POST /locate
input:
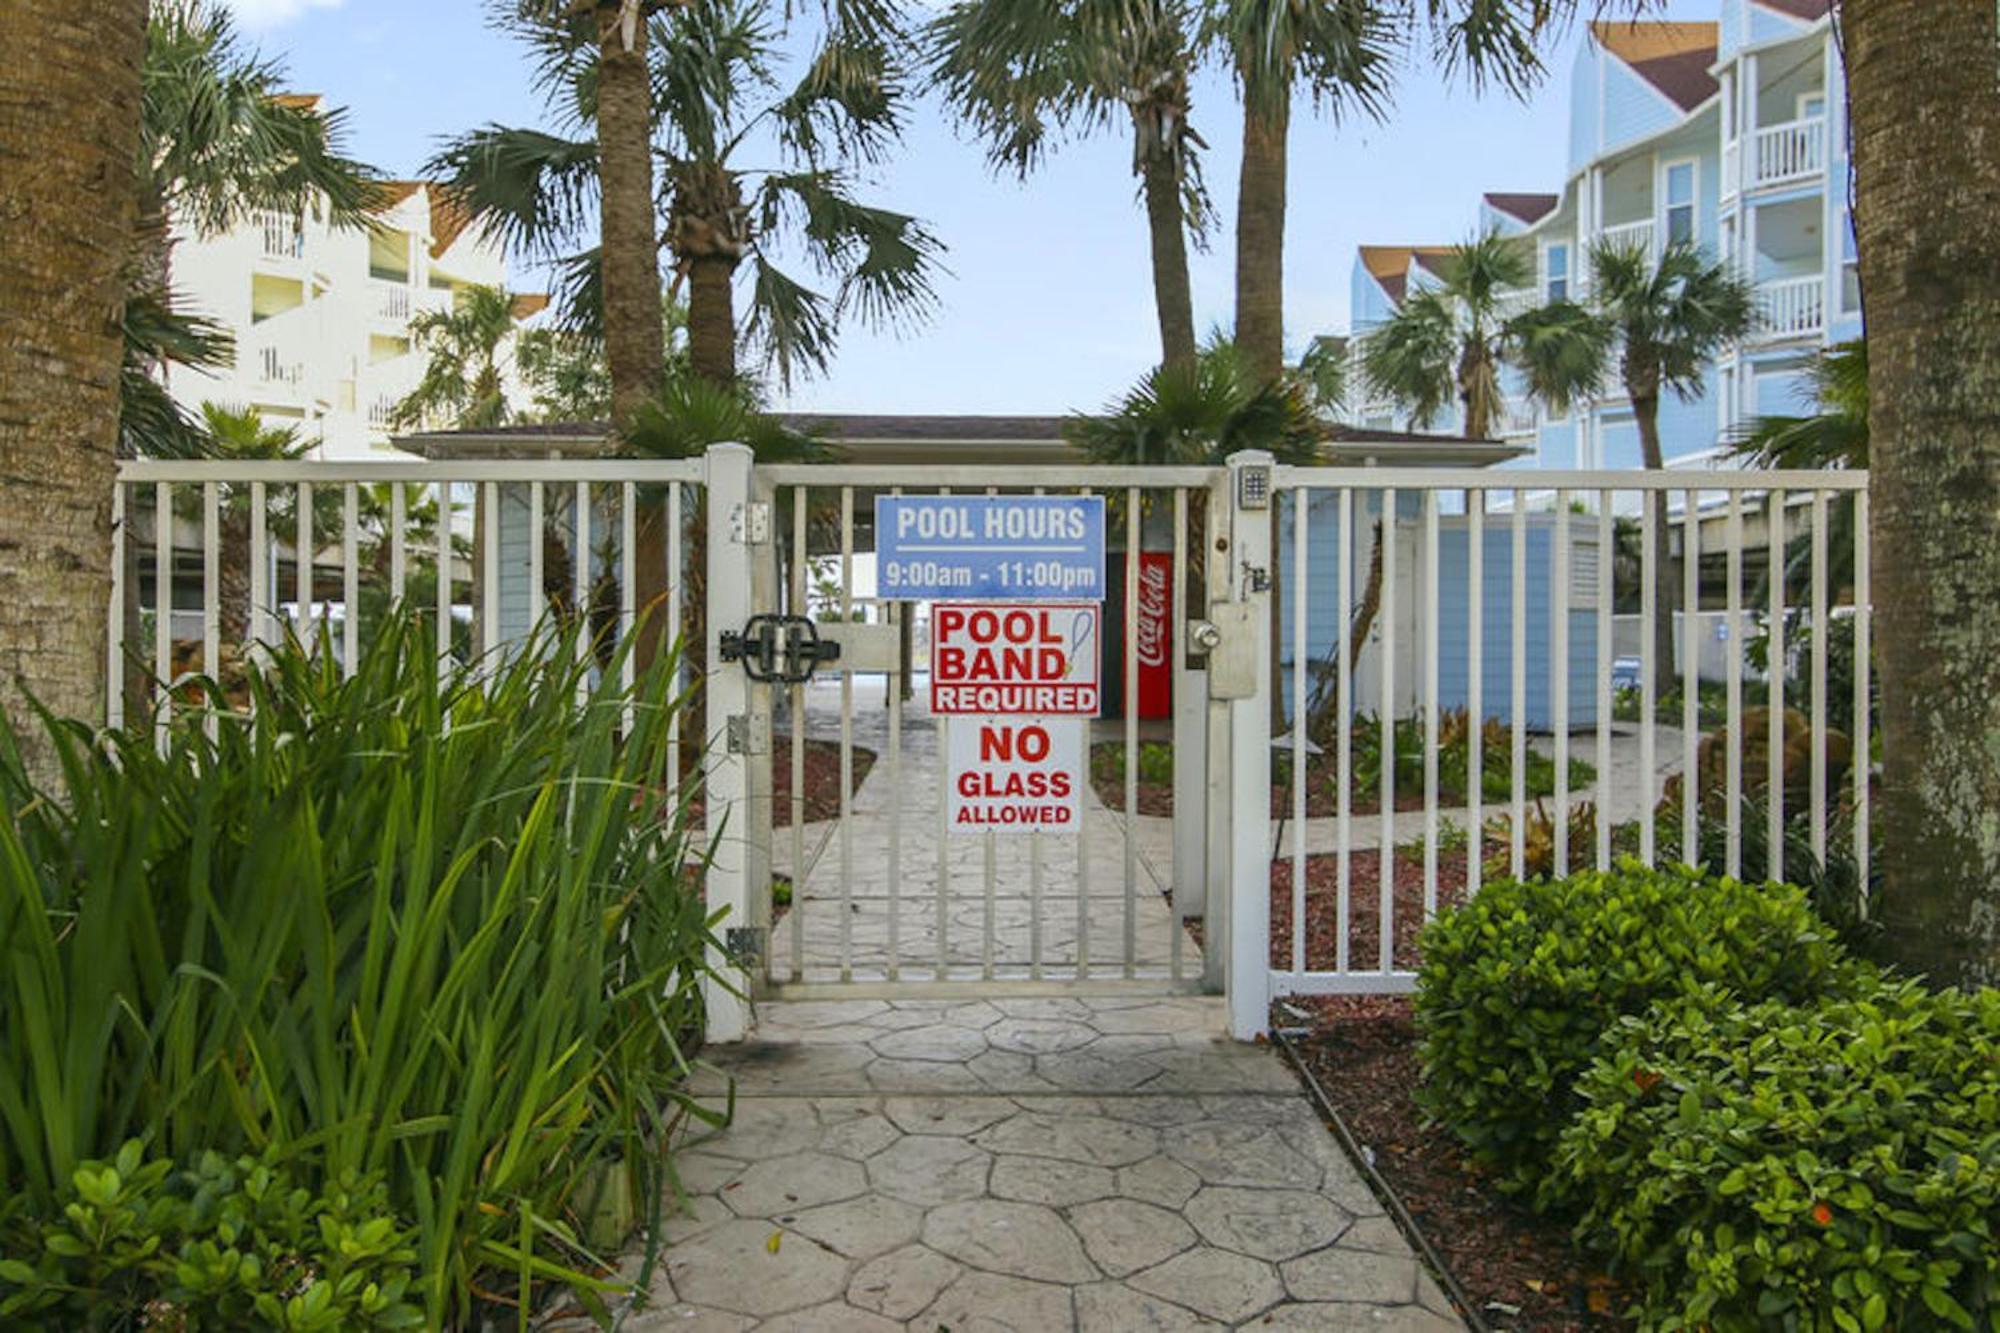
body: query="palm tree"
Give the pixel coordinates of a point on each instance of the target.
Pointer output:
(1015, 69)
(1654, 325)
(461, 383)
(71, 113)
(726, 218)
(241, 435)
(1451, 341)
(1835, 436)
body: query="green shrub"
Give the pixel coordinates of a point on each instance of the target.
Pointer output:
(1518, 987)
(1454, 751)
(441, 934)
(1832, 1166)
(220, 1245)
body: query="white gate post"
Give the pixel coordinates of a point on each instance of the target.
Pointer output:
(1214, 808)
(737, 759)
(1250, 557)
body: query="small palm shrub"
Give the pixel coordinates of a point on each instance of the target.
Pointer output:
(439, 934)
(1519, 985)
(1454, 759)
(1828, 1167)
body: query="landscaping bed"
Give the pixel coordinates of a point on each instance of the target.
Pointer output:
(822, 785)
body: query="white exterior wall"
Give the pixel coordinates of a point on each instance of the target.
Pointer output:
(320, 343)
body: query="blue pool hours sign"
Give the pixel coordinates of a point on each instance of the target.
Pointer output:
(1005, 548)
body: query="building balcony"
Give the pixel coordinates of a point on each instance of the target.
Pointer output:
(281, 239)
(389, 301)
(1629, 236)
(1791, 308)
(1516, 418)
(1788, 153)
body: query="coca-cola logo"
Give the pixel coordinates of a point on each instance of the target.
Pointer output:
(1153, 613)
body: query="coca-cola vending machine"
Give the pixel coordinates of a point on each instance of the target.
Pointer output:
(1154, 632)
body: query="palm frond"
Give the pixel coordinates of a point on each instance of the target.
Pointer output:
(529, 189)
(1834, 437)
(1411, 356)
(1564, 350)
(887, 261)
(792, 324)
(846, 104)
(691, 414)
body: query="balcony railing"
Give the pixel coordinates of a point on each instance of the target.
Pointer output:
(275, 367)
(1516, 301)
(381, 411)
(280, 235)
(392, 300)
(1793, 307)
(1792, 151)
(1630, 236)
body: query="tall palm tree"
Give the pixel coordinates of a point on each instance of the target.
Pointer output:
(1924, 103)
(69, 132)
(715, 98)
(1653, 326)
(1451, 341)
(461, 384)
(1834, 436)
(1016, 69)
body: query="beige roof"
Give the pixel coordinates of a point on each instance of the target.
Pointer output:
(1673, 57)
(1389, 265)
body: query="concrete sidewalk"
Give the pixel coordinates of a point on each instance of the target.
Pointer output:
(1024, 1164)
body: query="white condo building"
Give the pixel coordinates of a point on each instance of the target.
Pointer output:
(1730, 134)
(321, 315)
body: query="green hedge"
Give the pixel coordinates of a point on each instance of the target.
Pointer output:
(1519, 986)
(1827, 1167)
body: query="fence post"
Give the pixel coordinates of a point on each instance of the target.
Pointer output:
(739, 736)
(1250, 561)
(1214, 806)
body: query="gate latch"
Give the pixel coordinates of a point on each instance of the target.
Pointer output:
(778, 649)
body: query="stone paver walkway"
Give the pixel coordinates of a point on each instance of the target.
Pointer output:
(1036, 1164)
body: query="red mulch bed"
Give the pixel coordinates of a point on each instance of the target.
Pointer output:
(1157, 798)
(822, 785)
(1364, 916)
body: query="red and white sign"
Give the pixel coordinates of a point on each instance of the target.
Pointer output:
(1015, 774)
(1036, 659)
(1154, 634)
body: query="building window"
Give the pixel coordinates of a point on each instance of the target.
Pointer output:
(1680, 202)
(1811, 104)
(1556, 259)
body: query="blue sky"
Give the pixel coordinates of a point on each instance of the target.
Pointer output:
(1048, 304)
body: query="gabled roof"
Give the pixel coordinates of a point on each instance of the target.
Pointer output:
(529, 304)
(1673, 57)
(1389, 265)
(1799, 9)
(1529, 208)
(298, 101)
(449, 217)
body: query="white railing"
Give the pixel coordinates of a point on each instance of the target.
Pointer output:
(1517, 417)
(381, 411)
(275, 367)
(1516, 301)
(1792, 308)
(1629, 236)
(1791, 151)
(391, 300)
(280, 235)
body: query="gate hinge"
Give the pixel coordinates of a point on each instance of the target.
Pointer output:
(749, 733)
(750, 524)
(745, 944)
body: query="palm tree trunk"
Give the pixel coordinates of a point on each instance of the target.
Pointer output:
(69, 132)
(1666, 587)
(712, 318)
(1260, 236)
(635, 349)
(1919, 76)
(1173, 297)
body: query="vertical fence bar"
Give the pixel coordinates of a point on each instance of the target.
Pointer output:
(211, 582)
(1690, 675)
(1733, 688)
(537, 599)
(944, 838)
(1083, 877)
(350, 579)
(800, 561)
(1178, 648)
(489, 578)
(1301, 649)
(163, 610)
(892, 685)
(1864, 614)
(846, 742)
(580, 602)
(1131, 693)
(1821, 631)
(302, 567)
(1386, 897)
(628, 588)
(1518, 734)
(1343, 757)
(675, 630)
(259, 621)
(1606, 559)
(1649, 665)
(1475, 688)
(114, 663)
(1774, 677)
(1427, 592)
(444, 576)
(1559, 579)
(399, 541)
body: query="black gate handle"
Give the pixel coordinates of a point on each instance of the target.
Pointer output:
(778, 649)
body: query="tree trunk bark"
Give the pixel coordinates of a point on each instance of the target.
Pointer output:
(1173, 297)
(1666, 587)
(635, 340)
(1260, 238)
(69, 133)
(712, 318)
(1926, 133)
